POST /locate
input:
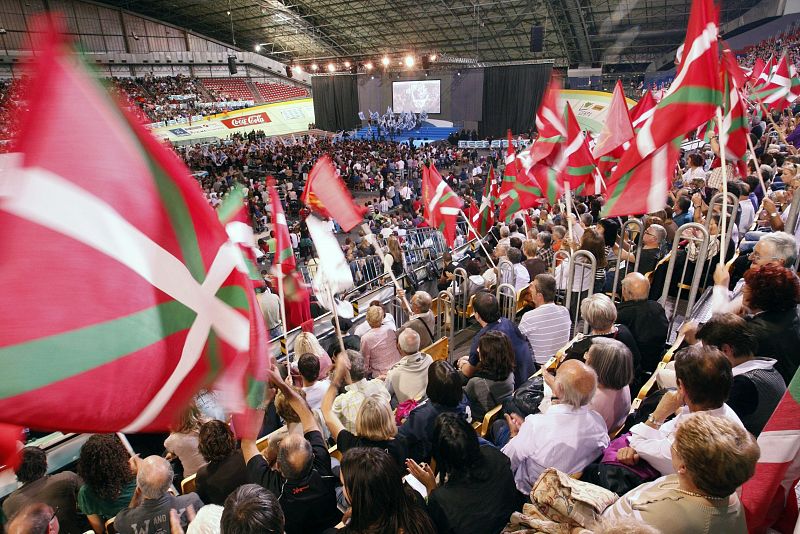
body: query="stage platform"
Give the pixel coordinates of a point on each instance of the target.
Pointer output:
(423, 133)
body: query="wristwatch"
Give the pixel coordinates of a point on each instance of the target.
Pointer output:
(652, 421)
(773, 214)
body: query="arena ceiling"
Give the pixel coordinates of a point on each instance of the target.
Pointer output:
(576, 32)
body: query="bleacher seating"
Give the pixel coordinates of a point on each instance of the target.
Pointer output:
(278, 92)
(231, 88)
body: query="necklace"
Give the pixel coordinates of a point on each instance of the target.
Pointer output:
(693, 494)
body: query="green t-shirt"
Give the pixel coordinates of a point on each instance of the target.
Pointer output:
(91, 504)
(271, 243)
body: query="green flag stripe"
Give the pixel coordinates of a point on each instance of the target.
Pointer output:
(230, 204)
(692, 95)
(580, 171)
(234, 296)
(37, 363)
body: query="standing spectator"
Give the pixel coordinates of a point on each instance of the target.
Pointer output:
(225, 470)
(183, 442)
(379, 344)
(548, 325)
(308, 365)
(422, 320)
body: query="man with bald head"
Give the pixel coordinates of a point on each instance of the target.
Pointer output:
(646, 319)
(422, 320)
(151, 504)
(408, 378)
(568, 436)
(302, 481)
(37, 518)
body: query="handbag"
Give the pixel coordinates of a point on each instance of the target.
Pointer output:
(527, 398)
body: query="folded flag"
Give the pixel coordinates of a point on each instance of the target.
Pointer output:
(333, 274)
(326, 194)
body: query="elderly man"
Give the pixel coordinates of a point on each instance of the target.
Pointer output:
(303, 479)
(568, 436)
(646, 319)
(379, 344)
(546, 252)
(151, 504)
(60, 491)
(357, 388)
(36, 518)
(422, 320)
(652, 244)
(487, 313)
(777, 248)
(408, 378)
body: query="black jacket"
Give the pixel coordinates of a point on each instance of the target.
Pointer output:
(647, 321)
(778, 334)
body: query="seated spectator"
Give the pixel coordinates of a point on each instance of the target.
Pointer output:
(183, 441)
(645, 319)
(772, 295)
(59, 491)
(545, 253)
(303, 479)
(493, 380)
(357, 388)
(583, 277)
(568, 437)
(533, 262)
(375, 424)
(379, 500)
(408, 378)
(252, 509)
(599, 311)
(152, 502)
(548, 325)
(422, 320)
(225, 470)
(490, 275)
(712, 456)
(351, 341)
(388, 320)
(444, 394)
(757, 386)
(477, 491)
(487, 314)
(704, 380)
(109, 477)
(521, 276)
(307, 343)
(379, 344)
(308, 365)
(35, 518)
(475, 281)
(653, 241)
(613, 363)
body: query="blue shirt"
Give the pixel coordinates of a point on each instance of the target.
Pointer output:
(523, 355)
(682, 219)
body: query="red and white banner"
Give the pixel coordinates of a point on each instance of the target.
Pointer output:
(247, 120)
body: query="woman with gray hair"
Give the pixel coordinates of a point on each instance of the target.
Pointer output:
(601, 314)
(613, 363)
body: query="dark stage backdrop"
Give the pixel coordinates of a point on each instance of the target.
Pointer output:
(511, 96)
(335, 102)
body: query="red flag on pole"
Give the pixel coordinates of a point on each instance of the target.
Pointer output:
(156, 306)
(617, 128)
(326, 194)
(441, 205)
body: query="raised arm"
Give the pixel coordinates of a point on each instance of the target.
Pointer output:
(297, 402)
(331, 421)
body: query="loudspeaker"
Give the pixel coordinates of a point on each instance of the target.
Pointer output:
(426, 63)
(537, 39)
(232, 65)
(354, 69)
(288, 71)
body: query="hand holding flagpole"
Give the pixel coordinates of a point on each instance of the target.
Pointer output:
(480, 240)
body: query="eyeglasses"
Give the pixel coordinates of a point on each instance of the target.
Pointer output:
(755, 256)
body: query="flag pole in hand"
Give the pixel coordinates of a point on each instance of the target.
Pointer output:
(480, 239)
(723, 166)
(335, 313)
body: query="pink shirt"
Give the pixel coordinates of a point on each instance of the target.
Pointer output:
(379, 349)
(613, 405)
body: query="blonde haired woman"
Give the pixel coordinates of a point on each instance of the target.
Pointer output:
(712, 457)
(375, 425)
(183, 441)
(307, 343)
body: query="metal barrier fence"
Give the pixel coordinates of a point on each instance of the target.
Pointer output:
(507, 301)
(632, 231)
(570, 294)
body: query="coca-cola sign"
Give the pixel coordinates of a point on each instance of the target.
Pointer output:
(247, 120)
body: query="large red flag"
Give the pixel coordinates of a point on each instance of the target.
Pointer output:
(152, 305)
(617, 128)
(441, 205)
(518, 191)
(284, 253)
(642, 110)
(326, 194)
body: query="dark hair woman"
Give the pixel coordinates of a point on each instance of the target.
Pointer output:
(477, 493)
(110, 479)
(494, 379)
(380, 502)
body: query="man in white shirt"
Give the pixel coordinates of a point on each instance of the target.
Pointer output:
(704, 380)
(547, 326)
(358, 388)
(568, 437)
(308, 365)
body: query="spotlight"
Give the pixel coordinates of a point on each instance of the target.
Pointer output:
(409, 61)
(385, 61)
(368, 65)
(331, 67)
(258, 48)
(433, 57)
(372, 77)
(314, 66)
(347, 64)
(228, 13)
(458, 73)
(298, 69)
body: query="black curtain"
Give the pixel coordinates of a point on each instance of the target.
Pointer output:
(511, 97)
(335, 102)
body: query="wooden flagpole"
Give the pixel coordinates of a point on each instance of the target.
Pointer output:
(336, 319)
(480, 241)
(282, 296)
(756, 165)
(723, 242)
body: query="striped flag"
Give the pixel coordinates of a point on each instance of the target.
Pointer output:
(152, 304)
(769, 498)
(483, 219)
(755, 72)
(617, 131)
(284, 253)
(580, 170)
(440, 205)
(763, 77)
(734, 112)
(776, 93)
(517, 191)
(642, 111)
(694, 95)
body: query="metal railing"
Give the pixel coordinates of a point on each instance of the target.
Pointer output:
(632, 230)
